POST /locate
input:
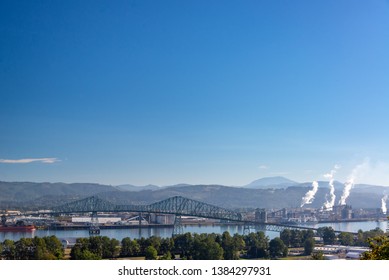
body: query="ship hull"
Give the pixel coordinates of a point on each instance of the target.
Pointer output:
(17, 228)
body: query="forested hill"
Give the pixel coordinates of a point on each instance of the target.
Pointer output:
(28, 195)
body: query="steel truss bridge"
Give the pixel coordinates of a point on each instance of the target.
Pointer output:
(177, 205)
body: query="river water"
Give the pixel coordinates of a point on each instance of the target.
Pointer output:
(119, 234)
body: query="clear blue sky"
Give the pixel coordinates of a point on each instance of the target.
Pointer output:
(167, 92)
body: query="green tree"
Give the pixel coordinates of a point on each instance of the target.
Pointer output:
(129, 248)
(205, 247)
(95, 245)
(80, 252)
(257, 245)
(110, 247)
(154, 241)
(286, 237)
(167, 256)
(308, 234)
(328, 235)
(297, 237)
(309, 245)
(87, 249)
(227, 244)
(239, 245)
(167, 244)
(379, 246)
(37, 248)
(135, 247)
(318, 256)
(143, 244)
(277, 248)
(125, 248)
(54, 246)
(40, 250)
(363, 237)
(346, 238)
(24, 249)
(9, 249)
(87, 255)
(183, 244)
(151, 253)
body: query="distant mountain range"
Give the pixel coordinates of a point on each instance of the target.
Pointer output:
(132, 188)
(271, 182)
(270, 192)
(263, 183)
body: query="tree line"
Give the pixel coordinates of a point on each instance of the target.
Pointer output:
(37, 248)
(255, 245)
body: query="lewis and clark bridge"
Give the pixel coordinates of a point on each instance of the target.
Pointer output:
(178, 206)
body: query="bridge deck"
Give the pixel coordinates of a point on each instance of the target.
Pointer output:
(177, 205)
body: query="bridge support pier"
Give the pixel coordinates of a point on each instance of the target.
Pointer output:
(140, 224)
(246, 229)
(94, 229)
(178, 228)
(260, 227)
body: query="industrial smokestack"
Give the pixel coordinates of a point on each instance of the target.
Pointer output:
(310, 195)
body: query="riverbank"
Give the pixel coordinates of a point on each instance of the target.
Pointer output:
(353, 220)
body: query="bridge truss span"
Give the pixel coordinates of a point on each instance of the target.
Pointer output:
(176, 205)
(89, 204)
(182, 206)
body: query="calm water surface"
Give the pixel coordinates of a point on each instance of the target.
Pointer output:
(119, 234)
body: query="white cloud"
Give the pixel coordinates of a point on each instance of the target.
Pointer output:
(263, 167)
(29, 160)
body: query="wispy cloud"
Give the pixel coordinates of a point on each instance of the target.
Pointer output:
(29, 160)
(263, 166)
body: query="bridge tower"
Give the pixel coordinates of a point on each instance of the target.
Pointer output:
(94, 228)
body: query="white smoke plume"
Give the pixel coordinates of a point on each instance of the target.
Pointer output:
(383, 204)
(356, 173)
(346, 191)
(331, 202)
(310, 195)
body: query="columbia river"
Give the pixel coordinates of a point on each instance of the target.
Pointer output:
(119, 234)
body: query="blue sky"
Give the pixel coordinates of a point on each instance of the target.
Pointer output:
(166, 92)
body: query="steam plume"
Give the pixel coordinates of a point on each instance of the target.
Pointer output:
(310, 195)
(358, 171)
(383, 204)
(346, 191)
(331, 202)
